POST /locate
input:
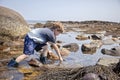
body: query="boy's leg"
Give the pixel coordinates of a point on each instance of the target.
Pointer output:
(43, 56)
(14, 62)
(21, 58)
(29, 46)
(44, 51)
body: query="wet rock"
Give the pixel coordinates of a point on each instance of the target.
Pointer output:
(81, 37)
(90, 48)
(12, 25)
(110, 41)
(113, 51)
(52, 56)
(86, 49)
(58, 41)
(73, 47)
(95, 37)
(35, 63)
(108, 61)
(64, 52)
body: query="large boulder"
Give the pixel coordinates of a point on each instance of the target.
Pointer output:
(12, 25)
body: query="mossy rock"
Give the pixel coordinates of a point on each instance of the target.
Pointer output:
(12, 25)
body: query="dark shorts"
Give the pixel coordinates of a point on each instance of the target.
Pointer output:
(30, 46)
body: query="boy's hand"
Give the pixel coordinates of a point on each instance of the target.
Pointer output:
(61, 59)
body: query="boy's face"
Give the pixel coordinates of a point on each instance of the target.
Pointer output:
(57, 32)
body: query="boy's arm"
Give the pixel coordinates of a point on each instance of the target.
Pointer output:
(57, 51)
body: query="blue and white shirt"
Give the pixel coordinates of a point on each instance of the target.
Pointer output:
(42, 35)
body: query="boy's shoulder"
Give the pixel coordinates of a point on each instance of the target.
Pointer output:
(42, 29)
(47, 29)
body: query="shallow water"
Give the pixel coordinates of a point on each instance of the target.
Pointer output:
(78, 57)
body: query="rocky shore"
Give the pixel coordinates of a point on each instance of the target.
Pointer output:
(11, 45)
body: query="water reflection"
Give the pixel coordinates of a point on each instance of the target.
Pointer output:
(79, 57)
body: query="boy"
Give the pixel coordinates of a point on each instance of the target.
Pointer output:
(38, 39)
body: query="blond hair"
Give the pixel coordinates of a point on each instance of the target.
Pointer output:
(55, 25)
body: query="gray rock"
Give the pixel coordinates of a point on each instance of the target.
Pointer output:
(113, 51)
(107, 61)
(90, 48)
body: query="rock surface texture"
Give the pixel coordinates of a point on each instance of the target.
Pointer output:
(12, 25)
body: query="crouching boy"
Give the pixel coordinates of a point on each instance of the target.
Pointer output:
(38, 39)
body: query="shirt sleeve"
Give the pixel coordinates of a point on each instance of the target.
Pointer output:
(51, 38)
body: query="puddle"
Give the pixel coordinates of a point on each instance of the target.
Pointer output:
(78, 57)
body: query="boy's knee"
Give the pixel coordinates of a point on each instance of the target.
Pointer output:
(45, 47)
(26, 56)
